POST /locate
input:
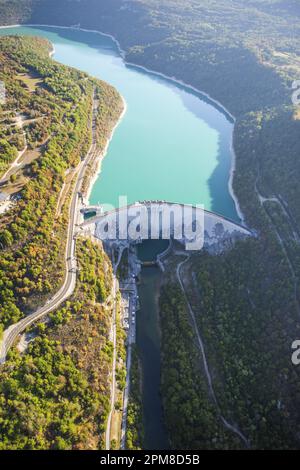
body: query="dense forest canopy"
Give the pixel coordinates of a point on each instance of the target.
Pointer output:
(56, 396)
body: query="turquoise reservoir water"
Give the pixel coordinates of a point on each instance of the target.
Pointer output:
(172, 144)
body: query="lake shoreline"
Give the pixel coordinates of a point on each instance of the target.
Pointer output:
(103, 153)
(169, 78)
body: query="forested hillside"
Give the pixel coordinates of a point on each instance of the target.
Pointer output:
(57, 394)
(46, 124)
(245, 309)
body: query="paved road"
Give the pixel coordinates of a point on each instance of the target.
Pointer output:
(113, 379)
(114, 339)
(10, 335)
(126, 397)
(131, 338)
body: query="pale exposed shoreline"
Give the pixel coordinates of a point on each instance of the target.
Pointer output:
(103, 153)
(172, 79)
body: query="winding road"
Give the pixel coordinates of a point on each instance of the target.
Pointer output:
(11, 334)
(15, 163)
(226, 424)
(114, 341)
(283, 206)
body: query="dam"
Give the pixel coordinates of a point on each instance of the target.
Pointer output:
(193, 226)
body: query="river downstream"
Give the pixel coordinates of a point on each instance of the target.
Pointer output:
(172, 144)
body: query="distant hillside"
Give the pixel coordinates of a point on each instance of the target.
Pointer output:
(226, 48)
(14, 11)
